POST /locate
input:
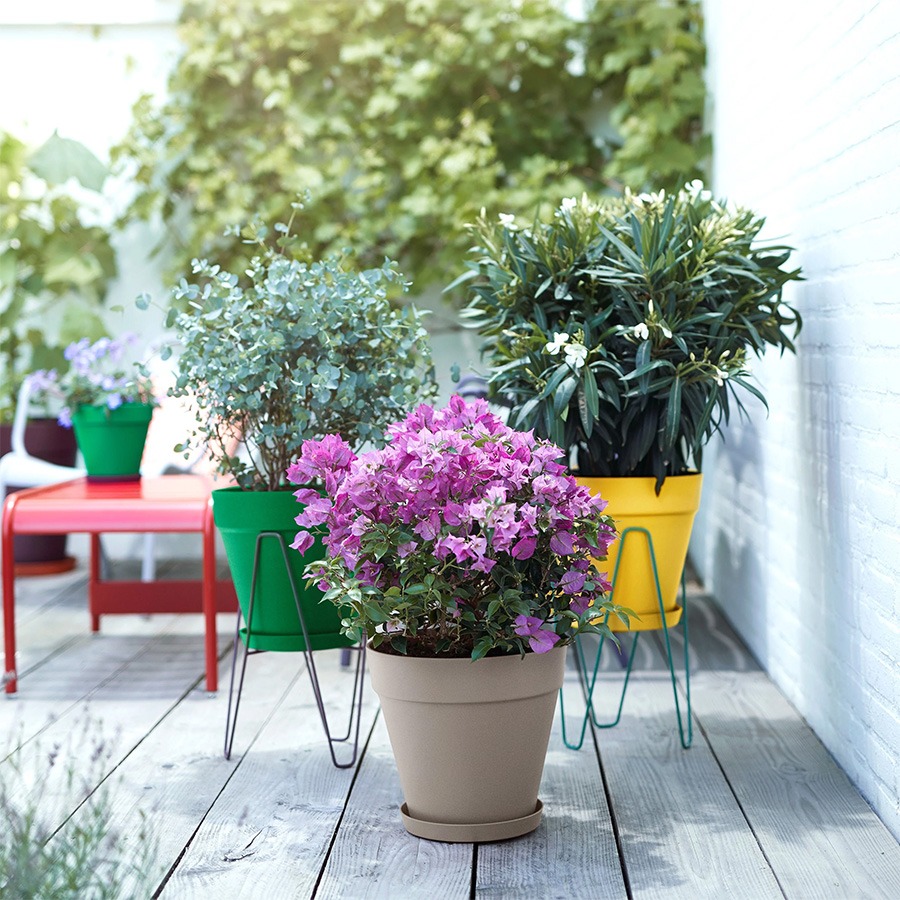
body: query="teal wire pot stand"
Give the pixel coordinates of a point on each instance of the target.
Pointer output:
(588, 676)
(647, 571)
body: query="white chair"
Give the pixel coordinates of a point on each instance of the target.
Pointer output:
(19, 467)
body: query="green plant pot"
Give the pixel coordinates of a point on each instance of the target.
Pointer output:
(240, 516)
(112, 440)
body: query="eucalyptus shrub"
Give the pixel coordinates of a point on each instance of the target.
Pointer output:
(55, 264)
(291, 350)
(405, 118)
(622, 329)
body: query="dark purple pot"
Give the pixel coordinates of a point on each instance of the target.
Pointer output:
(45, 439)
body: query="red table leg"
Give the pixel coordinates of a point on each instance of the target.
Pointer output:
(209, 600)
(9, 597)
(94, 580)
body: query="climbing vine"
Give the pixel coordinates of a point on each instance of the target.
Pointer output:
(404, 117)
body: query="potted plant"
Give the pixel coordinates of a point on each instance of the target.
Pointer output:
(107, 403)
(56, 262)
(462, 551)
(622, 330)
(290, 349)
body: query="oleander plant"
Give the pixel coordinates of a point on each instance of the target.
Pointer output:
(624, 328)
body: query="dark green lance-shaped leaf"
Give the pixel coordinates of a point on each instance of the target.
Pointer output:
(468, 275)
(587, 420)
(591, 393)
(642, 357)
(744, 383)
(554, 381)
(563, 395)
(673, 413)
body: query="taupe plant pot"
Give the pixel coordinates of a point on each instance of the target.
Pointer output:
(469, 739)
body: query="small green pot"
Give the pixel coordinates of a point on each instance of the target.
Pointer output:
(112, 440)
(240, 516)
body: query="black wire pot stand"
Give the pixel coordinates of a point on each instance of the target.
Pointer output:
(349, 739)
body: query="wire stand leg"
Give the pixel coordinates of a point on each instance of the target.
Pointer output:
(355, 716)
(685, 732)
(359, 675)
(231, 724)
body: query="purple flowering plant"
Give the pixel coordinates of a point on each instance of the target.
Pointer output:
(97, 376)
(461, 537)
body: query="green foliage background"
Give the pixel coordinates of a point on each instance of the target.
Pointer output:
(405, 117)
(54, 269)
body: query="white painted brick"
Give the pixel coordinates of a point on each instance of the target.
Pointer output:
(806, 506)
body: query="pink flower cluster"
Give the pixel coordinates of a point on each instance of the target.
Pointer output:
(457, 499)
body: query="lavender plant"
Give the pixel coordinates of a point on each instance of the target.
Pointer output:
(97, 376)
(462, 537)
(56, 808)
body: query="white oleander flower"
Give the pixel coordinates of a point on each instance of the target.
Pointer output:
(576, 355)
(568, 203)
(560, 338)
(696, 189)
(508, 220)
(641, 331)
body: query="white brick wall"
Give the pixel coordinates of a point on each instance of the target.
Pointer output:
(799, 533)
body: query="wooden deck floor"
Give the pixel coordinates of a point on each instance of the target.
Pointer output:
(755, 809)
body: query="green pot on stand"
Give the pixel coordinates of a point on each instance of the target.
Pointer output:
(279, 611)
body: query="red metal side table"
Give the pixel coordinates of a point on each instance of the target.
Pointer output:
(168, 503)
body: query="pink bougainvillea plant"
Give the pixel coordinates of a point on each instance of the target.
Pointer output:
(462, 537)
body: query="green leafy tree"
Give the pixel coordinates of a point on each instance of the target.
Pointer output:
(55, 264)
(405, 117)
(649, 56)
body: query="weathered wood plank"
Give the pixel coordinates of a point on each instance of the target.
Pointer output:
(682, 831)
(177, 772)
(268, 832)
(820, 836)
(68, 677)
(714, 645)
(373, 855)
(573, 852)
(51, 612)
(123, 708)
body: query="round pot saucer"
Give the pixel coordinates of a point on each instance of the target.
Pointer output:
(480, 832)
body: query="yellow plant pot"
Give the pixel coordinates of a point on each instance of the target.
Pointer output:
(668, 518)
